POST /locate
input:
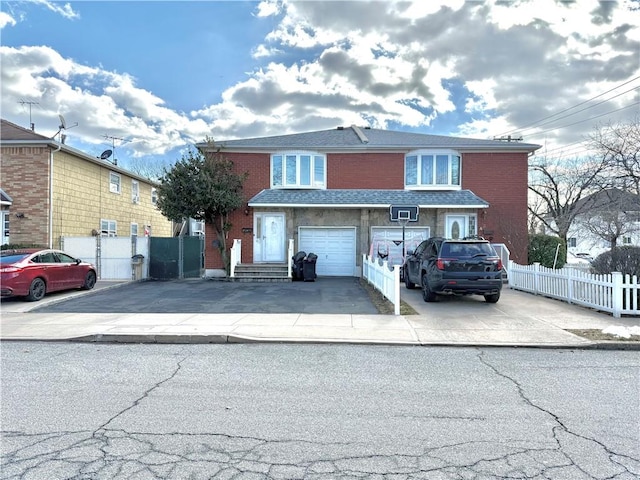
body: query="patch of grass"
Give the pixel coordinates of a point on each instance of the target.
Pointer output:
(597, 335)
(384, 306)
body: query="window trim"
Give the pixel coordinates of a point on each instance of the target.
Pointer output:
(313, 157)
(419, 154)
(154, 195)
(110, 232)
(115, 187)
(135, 191)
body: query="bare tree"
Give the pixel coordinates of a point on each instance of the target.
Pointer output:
(558, 186)
(619, 146)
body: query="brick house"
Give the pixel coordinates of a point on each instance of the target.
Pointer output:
(331, 191)
(50, 190)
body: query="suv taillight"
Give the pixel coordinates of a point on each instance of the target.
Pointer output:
(443, 263)
(499, 265)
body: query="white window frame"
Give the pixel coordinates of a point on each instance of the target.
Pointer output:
(108, 228)
(316, 160)
(433, 157)
(115, 182)
(134, 230)
(154, 195)
(626, 240)
(135, 191)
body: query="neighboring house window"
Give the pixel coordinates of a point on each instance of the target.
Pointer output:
(572, 242)
(108, 228)
(5, 228)
(154, 196)
(134, 230)
(298, 170)
(626, 240)
(135, 191)
(432, 170)
(114, 182)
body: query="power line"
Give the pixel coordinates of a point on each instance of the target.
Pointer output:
(570, 108)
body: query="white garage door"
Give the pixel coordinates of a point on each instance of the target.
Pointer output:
(335, 248)
(388, 241)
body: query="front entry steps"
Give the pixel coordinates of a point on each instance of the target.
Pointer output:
(261, 272)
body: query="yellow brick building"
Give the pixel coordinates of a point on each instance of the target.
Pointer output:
(57, 191)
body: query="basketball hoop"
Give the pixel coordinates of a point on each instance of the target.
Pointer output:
(403, 214)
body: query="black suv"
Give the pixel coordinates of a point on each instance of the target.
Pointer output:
(454, 267)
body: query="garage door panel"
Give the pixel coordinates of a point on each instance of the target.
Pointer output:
(335, 248)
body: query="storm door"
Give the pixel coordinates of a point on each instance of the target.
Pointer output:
(269, 237)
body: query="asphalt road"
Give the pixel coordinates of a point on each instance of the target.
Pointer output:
(87, 411)
(325, 295)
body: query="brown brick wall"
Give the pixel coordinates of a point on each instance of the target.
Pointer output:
(24, 174)
(500, 179)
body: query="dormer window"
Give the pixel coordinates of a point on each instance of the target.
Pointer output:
(298, 170)
(433, 170)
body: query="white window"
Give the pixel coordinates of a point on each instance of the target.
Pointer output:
(626, 240)
(108, 228)
(154, 196)
(114, 182)
(432, 170)
(298, 170)
(572, 242)
(135, 191)
(134, 230)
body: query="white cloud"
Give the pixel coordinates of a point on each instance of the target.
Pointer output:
(491, 67)
(65, 10)
(6, 19)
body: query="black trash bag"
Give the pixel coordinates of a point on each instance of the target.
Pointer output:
(296, 268)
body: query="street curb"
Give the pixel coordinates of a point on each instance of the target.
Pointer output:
(235, 339)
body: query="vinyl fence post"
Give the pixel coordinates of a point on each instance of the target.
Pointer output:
(617, 293)
(536, 280)
(396, 286)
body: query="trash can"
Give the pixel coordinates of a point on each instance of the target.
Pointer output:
(296, 269)
(309, 268)
(137, 261)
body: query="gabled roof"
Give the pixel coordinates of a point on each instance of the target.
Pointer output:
(11, 131)
(366, 198)
(12, 134)
(366, 139)
(606, 200)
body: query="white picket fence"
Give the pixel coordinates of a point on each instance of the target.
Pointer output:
(614, 293)
(386, 280)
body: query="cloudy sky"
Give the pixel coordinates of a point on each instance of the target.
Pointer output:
(152, 78)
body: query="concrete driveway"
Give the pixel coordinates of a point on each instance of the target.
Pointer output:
(326, 295)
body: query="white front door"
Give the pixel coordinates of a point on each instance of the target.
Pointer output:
(269, 237)
(456, 226)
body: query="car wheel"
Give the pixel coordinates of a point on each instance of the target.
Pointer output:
(493, 298)
(89, 280)
(408, 283)
(37, 290)
(427, 294)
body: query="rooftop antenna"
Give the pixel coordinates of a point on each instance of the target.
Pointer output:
(30, 103)
(113, 146)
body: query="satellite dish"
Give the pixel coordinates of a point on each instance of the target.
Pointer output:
(106, 154)
(63, 123)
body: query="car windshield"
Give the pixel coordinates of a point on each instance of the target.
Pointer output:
(13, 258)
(466, 249)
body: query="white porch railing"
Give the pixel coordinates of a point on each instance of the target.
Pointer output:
(504, 254)
(615, 293)
(386, 280)
(290, 257)
(236, 256)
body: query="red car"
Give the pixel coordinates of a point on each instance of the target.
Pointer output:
(31, 273)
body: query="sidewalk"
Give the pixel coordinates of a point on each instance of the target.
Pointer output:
(463, 321)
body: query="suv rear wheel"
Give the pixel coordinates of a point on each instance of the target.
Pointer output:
(427, 294)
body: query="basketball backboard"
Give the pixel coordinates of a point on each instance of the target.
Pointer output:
(404, 213)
